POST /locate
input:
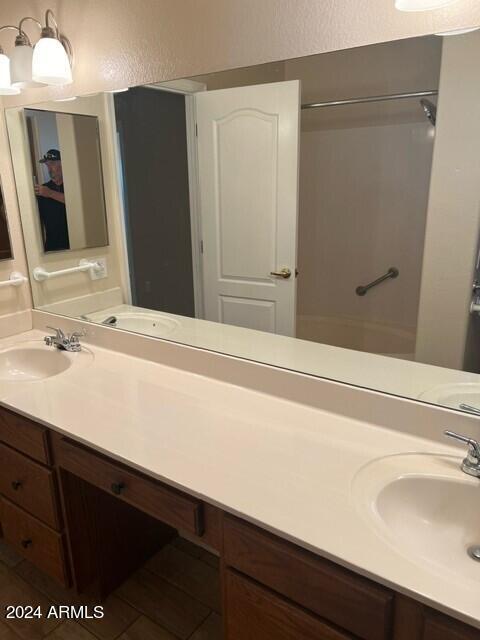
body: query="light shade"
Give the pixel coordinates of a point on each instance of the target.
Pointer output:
(21, 67)
(6, 88)
(422, 5)
(50, 63)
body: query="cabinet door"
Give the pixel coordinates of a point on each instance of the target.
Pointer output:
(254, 613)
(438, 627)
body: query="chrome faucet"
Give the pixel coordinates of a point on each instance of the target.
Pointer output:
(471, 464)
(64, 341)
(111, 321)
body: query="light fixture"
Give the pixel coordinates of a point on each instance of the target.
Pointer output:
(21, 61)
(422, 5)
(6, 88)
(49, 62)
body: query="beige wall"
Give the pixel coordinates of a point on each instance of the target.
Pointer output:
(138, 41)
(453, 221)
(130, 42)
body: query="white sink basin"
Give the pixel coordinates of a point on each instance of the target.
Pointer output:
(453, 395)
(425, 508)
(33, 360)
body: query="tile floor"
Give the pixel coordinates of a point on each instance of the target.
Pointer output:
(174, 596)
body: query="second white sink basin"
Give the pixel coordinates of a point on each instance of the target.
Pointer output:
(424, 507)
(33, 360)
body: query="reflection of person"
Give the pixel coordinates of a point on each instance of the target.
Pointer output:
(51, 204)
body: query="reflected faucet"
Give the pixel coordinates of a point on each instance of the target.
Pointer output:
(111, 321)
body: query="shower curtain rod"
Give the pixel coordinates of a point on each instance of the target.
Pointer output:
(394, 96)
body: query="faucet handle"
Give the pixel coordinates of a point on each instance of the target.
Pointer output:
(471, 464)
(75, 335)
(58, 332)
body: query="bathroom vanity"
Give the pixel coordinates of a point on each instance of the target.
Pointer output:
(88, 520)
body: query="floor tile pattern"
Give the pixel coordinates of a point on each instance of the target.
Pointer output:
(174, 596)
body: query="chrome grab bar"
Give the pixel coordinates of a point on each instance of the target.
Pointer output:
(393, 272)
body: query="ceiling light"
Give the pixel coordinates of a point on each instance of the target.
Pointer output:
(6, 88)
(422, 5)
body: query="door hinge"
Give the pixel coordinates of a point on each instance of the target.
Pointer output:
(201, 246)
(196, 130)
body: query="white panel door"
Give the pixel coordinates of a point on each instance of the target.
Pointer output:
(248, 141)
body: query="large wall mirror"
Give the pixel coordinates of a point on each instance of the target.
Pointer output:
(319, 214)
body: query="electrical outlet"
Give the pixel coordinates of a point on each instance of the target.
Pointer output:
(98, 274)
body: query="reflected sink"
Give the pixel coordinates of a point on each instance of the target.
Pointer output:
(150, 323)
(33, 360)
(424, 507)
(453, 395)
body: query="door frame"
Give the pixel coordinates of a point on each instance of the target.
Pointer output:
(189, 88)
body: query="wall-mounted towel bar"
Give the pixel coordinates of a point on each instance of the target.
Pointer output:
(15, 280)
(96, 269)
(393, 272)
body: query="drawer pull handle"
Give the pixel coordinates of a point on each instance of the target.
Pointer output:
(26, 543)
(118, 487)
(16, 484)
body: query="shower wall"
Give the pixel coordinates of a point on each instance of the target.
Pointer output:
(364, 183)
(363, 201)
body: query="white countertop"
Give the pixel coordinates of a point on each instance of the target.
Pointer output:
(285, 466)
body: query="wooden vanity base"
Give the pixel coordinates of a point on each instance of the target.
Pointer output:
(87, 520)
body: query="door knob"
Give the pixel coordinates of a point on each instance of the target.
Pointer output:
(284, 273)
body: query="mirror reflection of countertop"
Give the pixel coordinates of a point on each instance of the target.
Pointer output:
(395, 376)
(295, 470)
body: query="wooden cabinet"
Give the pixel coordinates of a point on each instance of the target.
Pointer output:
(30, 513)
(114, 518)
(414, 621)
(253, 612)
(173, 507)
(29, 485)
(24, 435)
(39, 544)
(355, 604)
(438, 627)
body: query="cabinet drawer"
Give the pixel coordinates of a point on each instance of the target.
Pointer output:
(24, 435)
(254, 612)
(345, 599)
(164, 503)
(29, 485)
(38, 543)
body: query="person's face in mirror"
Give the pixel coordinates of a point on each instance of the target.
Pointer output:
(55, 171)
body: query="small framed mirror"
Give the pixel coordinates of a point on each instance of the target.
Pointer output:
(5, 245)
(67, 179)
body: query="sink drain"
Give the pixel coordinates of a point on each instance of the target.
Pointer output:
(474, 552)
